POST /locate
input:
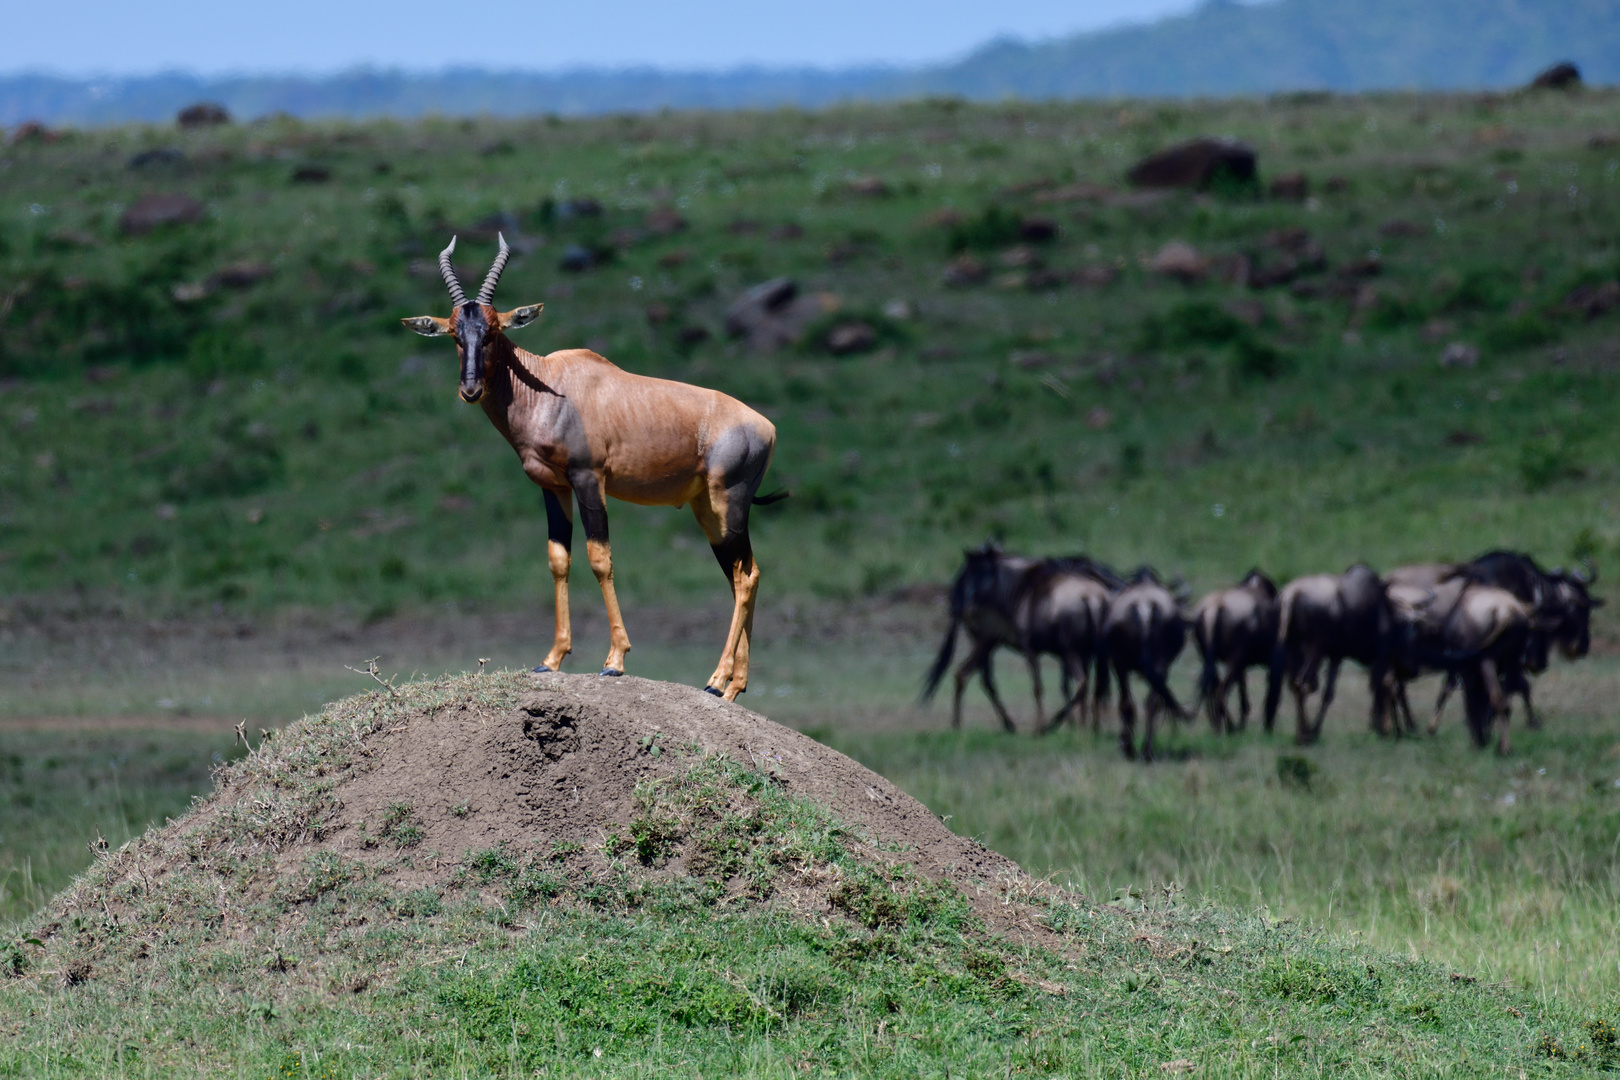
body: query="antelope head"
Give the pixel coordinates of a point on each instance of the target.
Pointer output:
(475, 324)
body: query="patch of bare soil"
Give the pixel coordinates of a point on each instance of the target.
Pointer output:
(563, 764)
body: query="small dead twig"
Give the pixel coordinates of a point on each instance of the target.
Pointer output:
(265, 735)
(372, 670)
(241, 734)
(482, 660)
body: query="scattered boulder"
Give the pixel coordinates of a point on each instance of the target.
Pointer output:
(1180, 260)
(240, 275)
(897, 309)
(1605, 141)
(1400, 228)
(1095, 276)
(874, 186)
(1195, 164)
(1459, 354)
(585, 208)
(1081, 192)
(1336, 185)
(202, 114)
(1019, 257)
(487, 228)
(964, 270)
(576, 259)
(1594, 300)
(1290, 187)
(659, 313)
(311, 174)
(688, 336)
(664, 221)
(1561, 76)
(158, 155)
(773, 314)
(32, 131)
(156, 211)
(1369, 265)
(788, 231)
(1038, 230)
(846, 339)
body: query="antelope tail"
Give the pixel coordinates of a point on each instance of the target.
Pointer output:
(773, 497)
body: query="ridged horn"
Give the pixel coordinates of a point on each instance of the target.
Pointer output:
(487, 293)
(456, 295)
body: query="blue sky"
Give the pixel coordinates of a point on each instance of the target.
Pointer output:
(124, 37)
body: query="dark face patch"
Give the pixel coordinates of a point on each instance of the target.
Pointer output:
(472, 331)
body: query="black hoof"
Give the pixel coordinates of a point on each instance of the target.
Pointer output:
(540, 669)
(610, 671)
(712, 690)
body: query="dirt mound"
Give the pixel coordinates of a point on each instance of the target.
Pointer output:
(510, 792)
(563, 762)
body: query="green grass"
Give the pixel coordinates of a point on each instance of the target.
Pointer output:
(672, 948)
(62, 792)
(290, 443)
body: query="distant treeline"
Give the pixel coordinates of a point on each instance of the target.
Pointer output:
(1223, 48)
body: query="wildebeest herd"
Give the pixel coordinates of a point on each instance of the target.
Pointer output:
(1486, 625)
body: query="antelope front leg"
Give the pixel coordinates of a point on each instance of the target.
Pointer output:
(559, 552)
(594, 513)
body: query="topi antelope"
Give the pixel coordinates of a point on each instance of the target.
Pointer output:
(584, 430)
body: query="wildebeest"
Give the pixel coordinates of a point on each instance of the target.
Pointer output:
(984, 600)
(1061, 611)
(1035, 606)
(1331, 617)
(1236, 627)
(1477, 634)
(1559, 602)
(1145, 633)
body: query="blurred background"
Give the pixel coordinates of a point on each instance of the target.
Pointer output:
(1389, 332)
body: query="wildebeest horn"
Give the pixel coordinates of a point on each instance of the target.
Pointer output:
(1586, 573)
(487, 293)
(457, 297)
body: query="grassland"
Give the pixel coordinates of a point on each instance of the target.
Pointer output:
(191, 953)
(288, 443)
(209, 505)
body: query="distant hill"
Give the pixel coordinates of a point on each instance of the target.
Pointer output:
(1223, 48)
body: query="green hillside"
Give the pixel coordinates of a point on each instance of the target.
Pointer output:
(227, 412)
(1226, 47)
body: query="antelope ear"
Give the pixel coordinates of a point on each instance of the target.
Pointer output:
(517, 317)
(428, 325)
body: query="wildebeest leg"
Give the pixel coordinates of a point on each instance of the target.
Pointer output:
(1440, 702)
(1243, 696)
(1499, 703)
(593, 515)
(1516, 683)
(1327, 697)
(559, 552)
(987, 675)
(1403, 711)
(1099, 694)
(1127, 712)
(1155, 705)
(965, 671)
(1034, 661)
(1304, 684)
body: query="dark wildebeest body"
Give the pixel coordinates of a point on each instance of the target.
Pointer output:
(1236, 627)
(1331, 617)
(1062, 609)
(1559, 603)
(1035, 606)
(1476, 634)
(1145, 633)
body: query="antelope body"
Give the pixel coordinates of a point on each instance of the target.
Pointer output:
(585, 430)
